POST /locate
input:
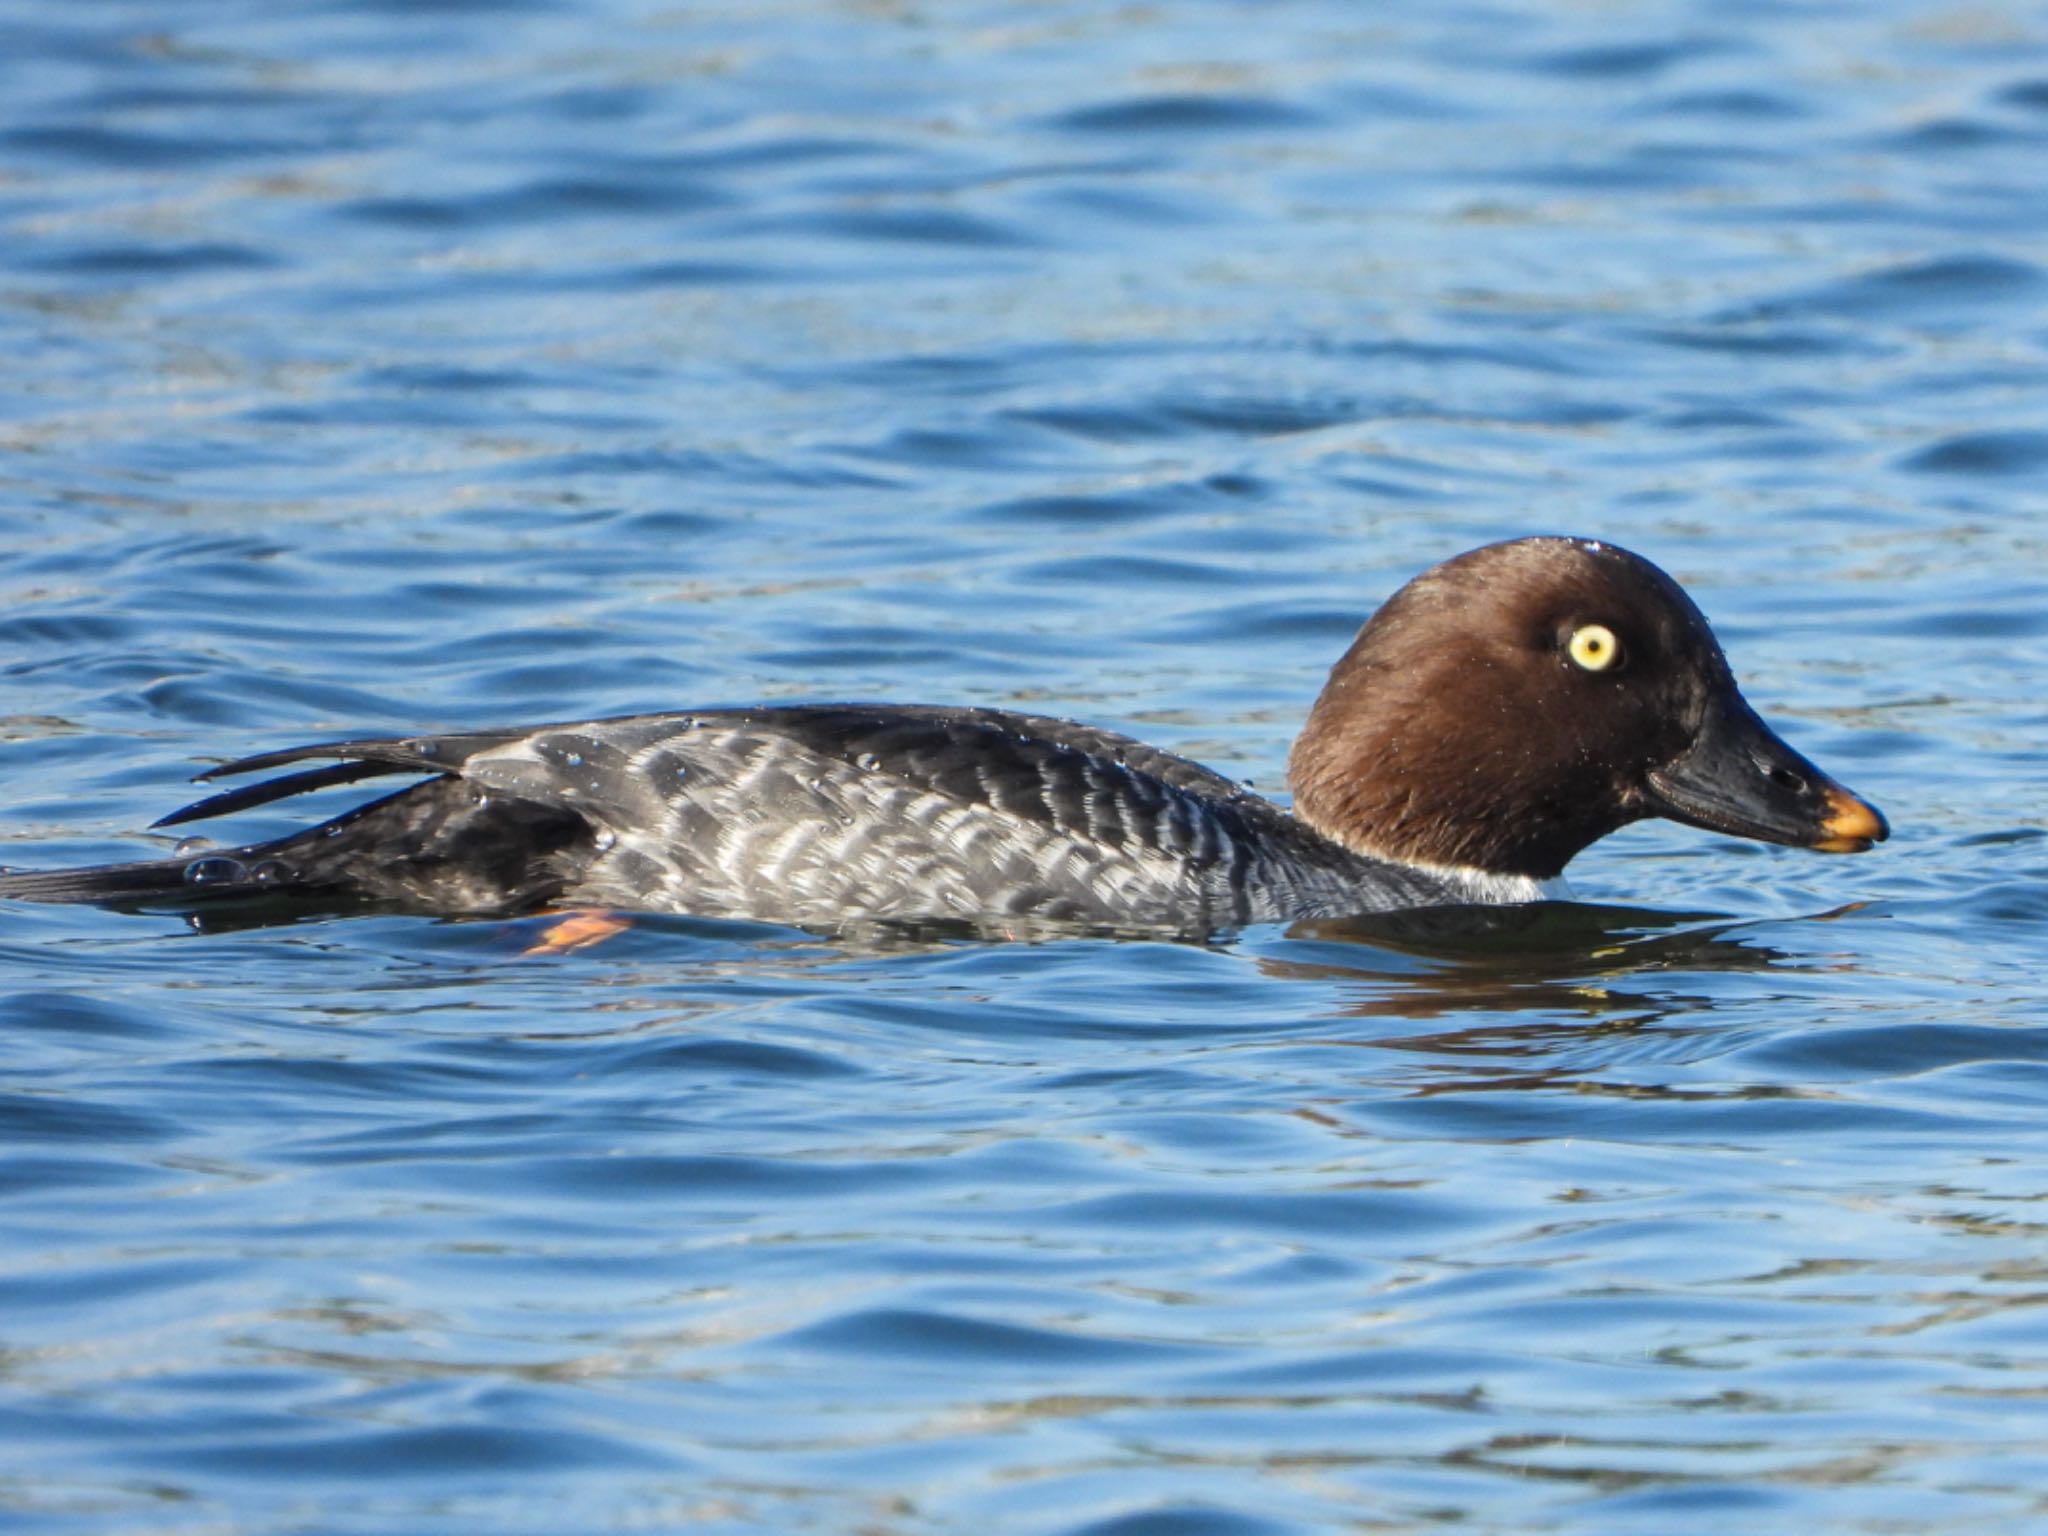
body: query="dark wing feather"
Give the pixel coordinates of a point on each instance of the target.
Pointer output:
(364, 759)
(267, 790)
(399, 754)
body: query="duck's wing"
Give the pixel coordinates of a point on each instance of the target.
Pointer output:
(1080, 781)
(819, 814)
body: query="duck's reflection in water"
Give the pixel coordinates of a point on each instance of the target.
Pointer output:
(1571, 986)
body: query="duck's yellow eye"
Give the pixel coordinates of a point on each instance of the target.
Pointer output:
(1594, 647)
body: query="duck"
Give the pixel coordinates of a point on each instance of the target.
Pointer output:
(1498, 714)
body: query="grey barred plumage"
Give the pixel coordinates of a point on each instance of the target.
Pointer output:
(800, 814)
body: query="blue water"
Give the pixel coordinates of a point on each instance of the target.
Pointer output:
(378, 366)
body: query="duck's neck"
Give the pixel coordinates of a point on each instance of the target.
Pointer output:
(1463, 801)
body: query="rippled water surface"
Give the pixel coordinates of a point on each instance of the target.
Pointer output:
(374, 366)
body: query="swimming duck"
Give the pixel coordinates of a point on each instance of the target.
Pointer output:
(1499, 713)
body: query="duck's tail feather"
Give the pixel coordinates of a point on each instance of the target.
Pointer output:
(102, 884)
(356, 760)
(266, 790)
(436, 845)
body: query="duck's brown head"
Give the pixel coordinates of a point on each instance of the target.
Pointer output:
(1514, 704)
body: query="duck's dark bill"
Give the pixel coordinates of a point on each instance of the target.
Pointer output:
(1738, 777)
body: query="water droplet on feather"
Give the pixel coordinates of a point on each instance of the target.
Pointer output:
(217, 870)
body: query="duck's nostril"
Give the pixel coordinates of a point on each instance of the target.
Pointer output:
(1785, 778)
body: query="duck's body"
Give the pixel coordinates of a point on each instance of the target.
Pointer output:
(809, 815)
(1464, 749)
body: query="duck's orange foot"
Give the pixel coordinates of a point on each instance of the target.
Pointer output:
(578, 930)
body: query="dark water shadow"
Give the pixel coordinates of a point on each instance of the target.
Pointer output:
(1545, 996)
(1565, 956)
